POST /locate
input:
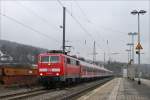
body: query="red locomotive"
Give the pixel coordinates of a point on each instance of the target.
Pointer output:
(55, 66)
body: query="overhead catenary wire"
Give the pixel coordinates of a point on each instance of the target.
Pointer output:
(37, 15)
(88, 21)
(82, 11)
(28, 27)
(86, 18)
(60, 3)
(77, 21)
(82, 27)
(91, 22)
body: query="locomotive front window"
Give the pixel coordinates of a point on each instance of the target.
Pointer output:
(54, 59)
(45, 59)
(49, 59)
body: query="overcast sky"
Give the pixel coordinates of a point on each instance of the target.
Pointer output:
(37, 23)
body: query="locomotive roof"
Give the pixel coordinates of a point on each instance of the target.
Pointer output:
(44, 54)
(81, 62)
(92, 65)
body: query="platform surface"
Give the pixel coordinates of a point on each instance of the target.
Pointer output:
(120, 89)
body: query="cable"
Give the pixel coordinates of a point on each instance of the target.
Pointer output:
(82, 11)
(81, 26)
(90, 22)
(75, 19)
(84, 29)
(60, 3)
(84, 14)
(28, 27)
(37, 15)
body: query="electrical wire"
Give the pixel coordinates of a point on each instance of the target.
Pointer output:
(90, 22)
(37, 15)
(28, 27)
(75, 19)
(82, 11)
(78, 22)
(84, 14)
(60, 3)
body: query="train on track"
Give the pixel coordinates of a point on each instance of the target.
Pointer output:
(55, 67)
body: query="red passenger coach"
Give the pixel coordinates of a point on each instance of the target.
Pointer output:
(56, 67)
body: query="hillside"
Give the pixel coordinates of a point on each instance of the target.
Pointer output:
(20, 53)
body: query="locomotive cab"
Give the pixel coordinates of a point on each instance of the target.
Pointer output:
(50, 65)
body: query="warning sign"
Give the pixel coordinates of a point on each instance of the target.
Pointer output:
(139, 46)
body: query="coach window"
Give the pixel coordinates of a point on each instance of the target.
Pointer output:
(77, 62)
(68, 60)
(72, 61)
(88, 69)
(84, 68)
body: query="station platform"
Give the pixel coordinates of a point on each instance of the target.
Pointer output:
(120, 89)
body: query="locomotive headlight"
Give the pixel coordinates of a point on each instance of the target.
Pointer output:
(43, 70)
(41, 74)
(57, 74)
(55, 69)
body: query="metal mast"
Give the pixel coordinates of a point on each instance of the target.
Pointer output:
(64, 23)
(94, 53)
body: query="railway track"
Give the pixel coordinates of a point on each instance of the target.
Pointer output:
(20, 95)
(73, 94)
(54, 94)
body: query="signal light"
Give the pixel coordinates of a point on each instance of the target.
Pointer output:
(137, 52)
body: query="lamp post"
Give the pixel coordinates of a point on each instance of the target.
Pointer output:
(132, 34)
(142, 12)
(135, 12)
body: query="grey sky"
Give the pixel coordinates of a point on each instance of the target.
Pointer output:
(104, 20)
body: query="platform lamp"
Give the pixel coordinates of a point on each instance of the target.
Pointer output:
(135, 12)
